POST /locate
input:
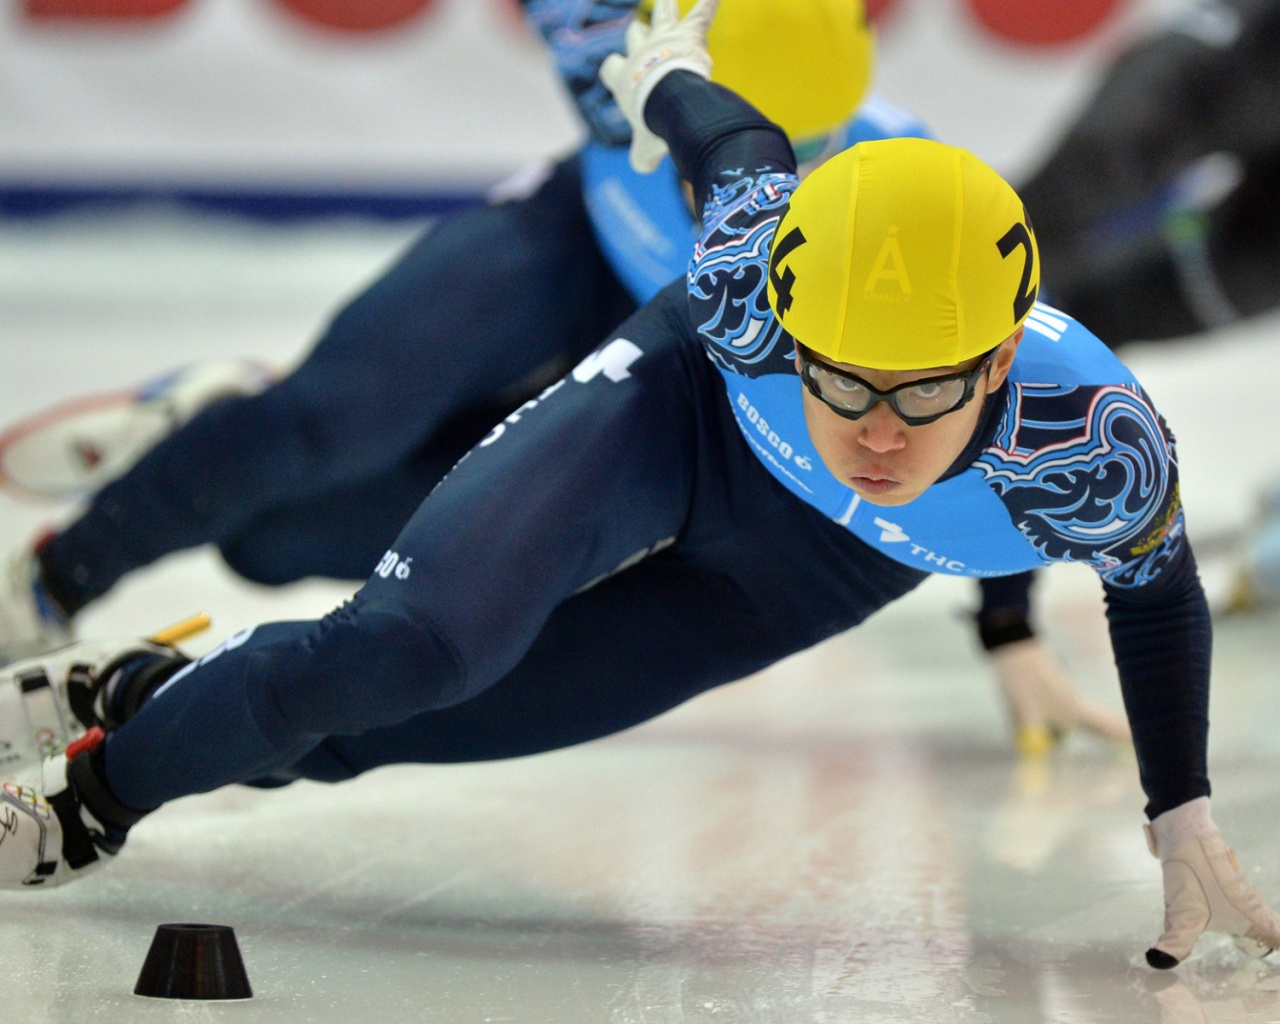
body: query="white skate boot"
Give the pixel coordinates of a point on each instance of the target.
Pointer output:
(75, 448)
(49, 702)
(30, 621)
(47, 834)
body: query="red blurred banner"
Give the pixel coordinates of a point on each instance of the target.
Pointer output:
(366, 16)
(1044, 22)
(341, 15)
(100, 10)
(1029, 22)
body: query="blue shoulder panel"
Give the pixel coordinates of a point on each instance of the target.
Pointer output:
(877, 119)
(643, 223)
(1083, 462)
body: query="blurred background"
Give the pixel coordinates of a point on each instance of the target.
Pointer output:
(846, 838)
(186, 179)
(407, 106)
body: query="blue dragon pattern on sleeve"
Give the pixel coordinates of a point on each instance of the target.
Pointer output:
(1098, 487)
(732, 264)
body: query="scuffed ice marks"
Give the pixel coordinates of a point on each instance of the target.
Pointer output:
(849, 910)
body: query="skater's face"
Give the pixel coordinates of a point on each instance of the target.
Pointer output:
(886, 460)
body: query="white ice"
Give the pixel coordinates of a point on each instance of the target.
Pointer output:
(846, 838)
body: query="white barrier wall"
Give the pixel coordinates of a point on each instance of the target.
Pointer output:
(225, 91)
(407, 96)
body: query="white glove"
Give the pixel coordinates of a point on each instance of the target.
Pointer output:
(1204, 888)
(1043, 704)
(666, 44)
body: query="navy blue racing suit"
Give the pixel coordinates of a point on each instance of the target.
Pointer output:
(657, 523)
(317, 474)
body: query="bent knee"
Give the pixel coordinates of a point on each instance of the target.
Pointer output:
(391, 664)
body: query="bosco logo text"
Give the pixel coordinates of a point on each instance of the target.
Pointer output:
(391, 564)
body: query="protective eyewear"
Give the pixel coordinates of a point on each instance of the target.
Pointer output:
(916, 403)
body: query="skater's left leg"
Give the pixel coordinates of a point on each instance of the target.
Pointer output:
(642, 642)
(562, 494)
(475, 311)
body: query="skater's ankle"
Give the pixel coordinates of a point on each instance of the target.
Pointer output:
(55, 590)
(87, 775)
(130, 682)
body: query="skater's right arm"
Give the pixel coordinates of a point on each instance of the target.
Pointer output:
(742, 171)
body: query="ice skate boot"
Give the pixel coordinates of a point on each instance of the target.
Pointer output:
(30, 620)
(48, 834)
(51, 701)
(75, 448)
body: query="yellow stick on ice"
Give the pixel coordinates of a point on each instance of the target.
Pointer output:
(183, 630)
(1034, 741)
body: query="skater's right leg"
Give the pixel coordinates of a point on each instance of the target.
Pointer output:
(594, 474)
(57, 821)
(683, 621)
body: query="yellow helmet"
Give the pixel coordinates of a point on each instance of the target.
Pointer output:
(903, 254)
(805, 64)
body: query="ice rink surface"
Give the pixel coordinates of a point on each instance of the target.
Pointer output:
(845, 838)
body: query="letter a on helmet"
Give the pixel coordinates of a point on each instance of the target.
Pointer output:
(903, 254)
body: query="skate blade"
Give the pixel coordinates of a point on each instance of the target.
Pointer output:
(180, 631)
(1252, 947)
(75, 448)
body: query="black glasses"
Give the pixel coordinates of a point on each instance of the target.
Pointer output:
(917, 402)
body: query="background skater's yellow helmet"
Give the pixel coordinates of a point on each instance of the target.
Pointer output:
(903, 254)
(805, 64)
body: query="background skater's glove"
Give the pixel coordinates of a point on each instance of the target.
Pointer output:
(667, 44)
(1043, 703)
(1204, 888)
(581, 34)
